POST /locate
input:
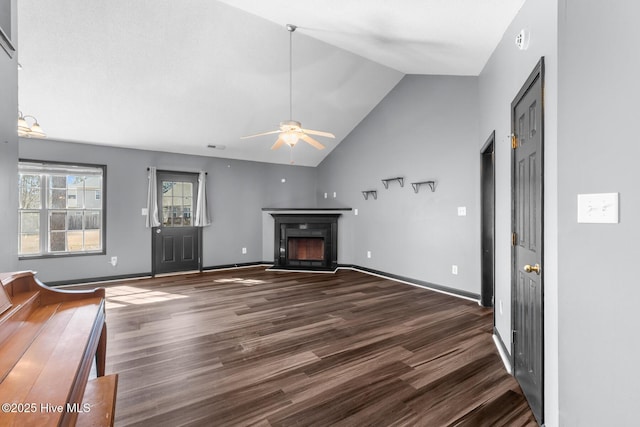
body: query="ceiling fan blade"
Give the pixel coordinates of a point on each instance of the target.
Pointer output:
(319, 133)
(261, 134)
(313, 142)
(278, 144)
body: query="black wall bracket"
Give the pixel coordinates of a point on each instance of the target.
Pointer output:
(368, 193)
(416, 185)
(400, 179)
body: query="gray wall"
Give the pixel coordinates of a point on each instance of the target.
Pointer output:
(237, 191)
(8, 155)
(499, 83)
(598, 292)
(426, 128)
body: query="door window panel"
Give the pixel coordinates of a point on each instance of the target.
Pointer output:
(177, 203)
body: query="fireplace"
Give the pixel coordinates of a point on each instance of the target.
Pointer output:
(306, 242)
(305, 248)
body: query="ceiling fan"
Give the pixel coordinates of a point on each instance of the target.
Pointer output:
(291, 131)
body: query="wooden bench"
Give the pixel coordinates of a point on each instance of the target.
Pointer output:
(48, 341)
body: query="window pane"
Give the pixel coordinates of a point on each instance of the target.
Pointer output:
(57, 221)
(74, 241)
(92, 193)
(177, 189)
(92, 220)
(167, 188)
(166, 216)
(92, 240)
(186, 217)
(187, 191)
(57, 198)
(75, 221)
(72, 199)
(29, 244)
(93, 182)
(167, 201)
(57, 241)
(57, 192)
(58, 181)
(29, 222)
(29, 192)
(75, 181)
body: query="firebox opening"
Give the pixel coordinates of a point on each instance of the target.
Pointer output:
(305, 248)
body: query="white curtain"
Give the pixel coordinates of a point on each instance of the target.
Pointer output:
(202, 213)
(152, 200)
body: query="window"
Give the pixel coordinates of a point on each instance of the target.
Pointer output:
(5, 27)
(61, 211)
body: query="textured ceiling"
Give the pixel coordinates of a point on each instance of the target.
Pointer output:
(177, 76)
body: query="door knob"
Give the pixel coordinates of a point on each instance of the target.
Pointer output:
(158, 231)
(532, 268)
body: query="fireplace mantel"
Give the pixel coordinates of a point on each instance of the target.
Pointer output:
(309, 210)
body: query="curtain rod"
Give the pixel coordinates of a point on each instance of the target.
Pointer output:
(206, 173)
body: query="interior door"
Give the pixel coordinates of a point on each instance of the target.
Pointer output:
(176, 242)
(487, 195)
(527, 256)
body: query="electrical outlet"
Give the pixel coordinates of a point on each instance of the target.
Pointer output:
(454, 269)
(462, 211)
(368, 254)
(244, 251)
(325, 195)
(114, 261)
(500, 307)
(355, 211)
(335, 194)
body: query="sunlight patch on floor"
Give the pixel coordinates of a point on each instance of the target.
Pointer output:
(120, 296)
(240, 280)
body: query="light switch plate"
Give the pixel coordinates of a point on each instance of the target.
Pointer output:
(462, 211)
(599, 208)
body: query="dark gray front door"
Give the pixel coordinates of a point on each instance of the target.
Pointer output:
(527, 274)
(176, 242)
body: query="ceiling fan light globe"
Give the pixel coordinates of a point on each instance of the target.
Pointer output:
(290, 138)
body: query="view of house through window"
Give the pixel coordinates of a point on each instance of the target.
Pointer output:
(61, 209)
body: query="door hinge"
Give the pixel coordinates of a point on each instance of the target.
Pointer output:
(514, 239)
(513, 336)
(514, 141)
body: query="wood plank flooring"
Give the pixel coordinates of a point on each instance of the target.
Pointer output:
(248, 347)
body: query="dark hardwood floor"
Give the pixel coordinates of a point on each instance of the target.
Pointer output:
(249, 347)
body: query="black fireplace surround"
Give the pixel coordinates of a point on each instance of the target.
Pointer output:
(306, 242)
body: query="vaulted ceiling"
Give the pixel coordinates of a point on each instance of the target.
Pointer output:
(179, 76)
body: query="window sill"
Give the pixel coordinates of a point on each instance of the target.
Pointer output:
(63, 255)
